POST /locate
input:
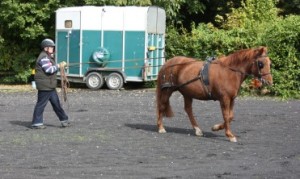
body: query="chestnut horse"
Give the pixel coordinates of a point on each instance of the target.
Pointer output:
(221, 82)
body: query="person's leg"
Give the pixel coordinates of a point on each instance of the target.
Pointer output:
(54, 100)
(43, 98)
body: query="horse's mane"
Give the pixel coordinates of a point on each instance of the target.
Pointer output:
(238, 57)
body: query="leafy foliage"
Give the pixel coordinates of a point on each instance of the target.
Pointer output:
(22, 26)
(283, 37)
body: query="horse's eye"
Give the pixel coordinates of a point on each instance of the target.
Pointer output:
(260, 64)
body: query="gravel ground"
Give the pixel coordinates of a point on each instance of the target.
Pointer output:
(114, 135)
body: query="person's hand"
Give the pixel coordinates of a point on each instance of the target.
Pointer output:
(62, 64)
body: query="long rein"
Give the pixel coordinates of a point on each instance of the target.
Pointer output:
(260, 75)
(65, 84)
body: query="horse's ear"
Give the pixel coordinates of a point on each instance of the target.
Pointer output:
(262, 51)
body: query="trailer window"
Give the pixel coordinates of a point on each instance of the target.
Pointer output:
(68, 23)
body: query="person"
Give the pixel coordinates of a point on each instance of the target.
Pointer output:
(46, 83)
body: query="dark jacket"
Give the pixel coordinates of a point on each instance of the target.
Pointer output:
(45, 72)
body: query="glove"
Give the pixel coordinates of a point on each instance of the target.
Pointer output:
(62, 64)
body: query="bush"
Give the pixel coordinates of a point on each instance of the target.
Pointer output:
(283, 40)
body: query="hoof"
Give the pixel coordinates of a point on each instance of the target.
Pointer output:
(233, 139)
(162, 131)
(215, 127)
(198, 132)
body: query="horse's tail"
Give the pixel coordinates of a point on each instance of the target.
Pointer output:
(162, 96)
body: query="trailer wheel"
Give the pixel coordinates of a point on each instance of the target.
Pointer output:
(94, 81)
(114, 81)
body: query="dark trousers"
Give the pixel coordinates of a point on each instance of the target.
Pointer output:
(43, 98)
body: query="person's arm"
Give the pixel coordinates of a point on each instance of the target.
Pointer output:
(47, 66)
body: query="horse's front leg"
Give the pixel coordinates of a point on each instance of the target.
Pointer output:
(188, 109)
(227, 112)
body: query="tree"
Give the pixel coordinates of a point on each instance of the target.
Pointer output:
(289, 7)
(23, 25)
(179, 12)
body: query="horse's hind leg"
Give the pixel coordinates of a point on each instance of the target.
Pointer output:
(188, 109)
(163, 108)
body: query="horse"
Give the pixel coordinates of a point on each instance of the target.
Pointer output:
(219, 79)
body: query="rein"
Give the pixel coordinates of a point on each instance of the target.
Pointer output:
(233, 69)
(188, 82)
(64, 83)
(168, 85)
(259, 76)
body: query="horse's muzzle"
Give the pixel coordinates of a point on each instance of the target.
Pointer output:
(267, 79)
(266, 82)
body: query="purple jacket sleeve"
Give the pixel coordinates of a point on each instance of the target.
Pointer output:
(47, 66)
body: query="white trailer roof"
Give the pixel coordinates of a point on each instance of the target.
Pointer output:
(135, 18)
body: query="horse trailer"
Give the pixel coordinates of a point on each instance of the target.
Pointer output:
(110, 44)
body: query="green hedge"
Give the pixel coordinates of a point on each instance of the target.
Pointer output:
(283, 40)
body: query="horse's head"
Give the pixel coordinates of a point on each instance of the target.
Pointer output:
(261, 66)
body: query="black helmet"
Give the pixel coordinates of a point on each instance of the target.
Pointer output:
(47, 43)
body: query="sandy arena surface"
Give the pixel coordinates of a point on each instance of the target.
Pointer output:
(114, 135)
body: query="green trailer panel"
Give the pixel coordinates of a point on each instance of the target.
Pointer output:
(91, 40)
(134, 53)
(74, 51)
(113, 43)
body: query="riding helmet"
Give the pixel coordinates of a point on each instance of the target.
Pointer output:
(47, 43)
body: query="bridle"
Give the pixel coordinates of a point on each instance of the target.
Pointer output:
(259, 65)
